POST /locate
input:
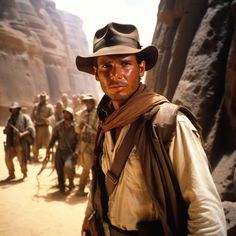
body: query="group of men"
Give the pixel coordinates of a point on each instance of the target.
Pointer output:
(67, 131)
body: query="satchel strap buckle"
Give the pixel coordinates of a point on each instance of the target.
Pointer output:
(111, 177)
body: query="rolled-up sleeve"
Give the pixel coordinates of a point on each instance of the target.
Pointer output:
(205, 211)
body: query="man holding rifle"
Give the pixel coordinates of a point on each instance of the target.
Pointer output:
(20, 133)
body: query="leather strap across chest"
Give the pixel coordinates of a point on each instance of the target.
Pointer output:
(113, 175)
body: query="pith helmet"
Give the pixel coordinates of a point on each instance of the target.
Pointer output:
(69, 110)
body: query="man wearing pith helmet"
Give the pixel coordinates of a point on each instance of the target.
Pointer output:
(150, 175)
(64, 133)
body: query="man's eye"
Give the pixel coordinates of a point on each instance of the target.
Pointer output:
(125, 63)
(105, 66)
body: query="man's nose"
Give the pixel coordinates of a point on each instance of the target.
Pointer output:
(115, 72)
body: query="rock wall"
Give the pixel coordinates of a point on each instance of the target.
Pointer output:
(196, 67)
(38, 46)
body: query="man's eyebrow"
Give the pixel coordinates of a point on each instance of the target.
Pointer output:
(104, 61)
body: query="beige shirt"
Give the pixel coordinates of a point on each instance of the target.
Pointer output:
(129, 203)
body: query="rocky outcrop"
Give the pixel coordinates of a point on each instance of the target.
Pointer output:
(196, 67)
(38, 46)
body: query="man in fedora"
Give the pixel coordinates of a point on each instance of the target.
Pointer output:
(19, 132)
(41, 114)
(151, 175)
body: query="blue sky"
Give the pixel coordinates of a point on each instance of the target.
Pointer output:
(97, 13)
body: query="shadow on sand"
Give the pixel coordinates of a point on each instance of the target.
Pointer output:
(8, 183)
(53, 194)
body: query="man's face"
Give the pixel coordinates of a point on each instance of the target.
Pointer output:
(42, 99)
(15, 111)
(119, 76)
(58, 108)
(90, 104)
(67, 115)
(64, 98)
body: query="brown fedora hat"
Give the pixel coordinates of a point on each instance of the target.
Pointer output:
(117, 39)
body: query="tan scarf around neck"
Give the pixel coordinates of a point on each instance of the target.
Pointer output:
(139, 103)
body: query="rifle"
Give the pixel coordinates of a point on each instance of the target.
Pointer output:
(17, 131)
(27, 137)
(14, 128)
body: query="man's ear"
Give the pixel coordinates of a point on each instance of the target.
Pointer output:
(95, 72)
(142, 68)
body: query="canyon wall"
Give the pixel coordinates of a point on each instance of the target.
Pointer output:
(38, 47)
(196, 41)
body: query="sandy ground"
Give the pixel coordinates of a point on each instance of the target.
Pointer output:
(35, 208)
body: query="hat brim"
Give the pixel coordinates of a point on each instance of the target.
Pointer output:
(86, 63)
(67, 111)
(11, 108)
(88, 99)
(44, 96)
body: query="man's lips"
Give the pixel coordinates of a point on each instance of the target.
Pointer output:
(119, 85)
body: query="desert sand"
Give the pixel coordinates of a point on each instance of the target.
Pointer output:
(33, 206)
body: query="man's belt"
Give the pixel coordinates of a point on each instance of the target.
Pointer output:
(41, 125)
(114, 231)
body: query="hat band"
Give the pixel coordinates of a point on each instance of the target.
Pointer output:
(116, 40)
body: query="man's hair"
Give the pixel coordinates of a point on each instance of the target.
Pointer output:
(139, 58)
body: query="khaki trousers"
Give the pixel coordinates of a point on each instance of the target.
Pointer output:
(87, 165)
(12, 152)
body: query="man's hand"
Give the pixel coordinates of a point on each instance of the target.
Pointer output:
(22, 134)
(6, 130)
